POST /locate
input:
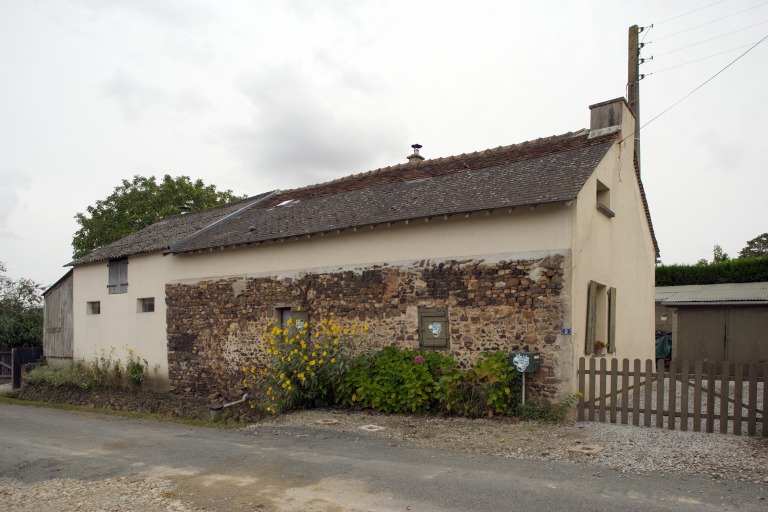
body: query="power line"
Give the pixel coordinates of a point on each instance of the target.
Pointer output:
(709, 22)
(690, 12)
(697, 60)
(696, 89)
(710, 39)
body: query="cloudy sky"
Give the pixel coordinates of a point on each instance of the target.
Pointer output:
(256, 95)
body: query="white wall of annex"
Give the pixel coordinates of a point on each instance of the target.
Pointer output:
(121, 326)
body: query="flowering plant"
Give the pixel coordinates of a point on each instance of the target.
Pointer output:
(599, 345)
(301, 370)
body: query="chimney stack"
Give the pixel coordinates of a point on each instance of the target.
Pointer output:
(415, 157)
(606, 117)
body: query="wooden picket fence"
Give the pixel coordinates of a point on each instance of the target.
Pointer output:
(698, 396)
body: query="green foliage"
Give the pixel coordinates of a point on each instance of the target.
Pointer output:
(138, 203)
(55, 376)
(101, 372)
(755, 248)
(395, 380)
(490, 387)
(135, 370)
(21, 312)
(301, 370)
(718, 255)
(535, 409)
(748, 270)
(401, 380)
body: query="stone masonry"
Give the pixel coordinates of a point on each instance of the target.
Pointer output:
(215, 327)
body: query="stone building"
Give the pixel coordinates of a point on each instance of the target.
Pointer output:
(545, 246)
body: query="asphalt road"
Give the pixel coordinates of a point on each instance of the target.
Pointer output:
(292, 469)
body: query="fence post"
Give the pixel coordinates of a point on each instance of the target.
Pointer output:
(752, 400)
(697, 380)
(636, 394)
(582, 389)
(765, 400)
(648, 389)
(591, 389)
(738, 391)
(725, 394)
(660, 396)
(672, 413)
(614, 390)
(603, 382)
(710, 397)
(684, 372)
(624, 391)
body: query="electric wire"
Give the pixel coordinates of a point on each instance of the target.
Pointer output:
(698, 60)
(690, 12)
(709, 23)
(710, 39)
(705, 82)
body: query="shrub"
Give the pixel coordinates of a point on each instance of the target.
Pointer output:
(301, 370)
(135, 370)
(55, 376)
(732, 271)
(395, 380)
(490, 387)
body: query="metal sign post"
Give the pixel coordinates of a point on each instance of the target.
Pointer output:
(521, 362)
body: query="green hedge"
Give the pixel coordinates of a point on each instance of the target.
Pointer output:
(749, 270)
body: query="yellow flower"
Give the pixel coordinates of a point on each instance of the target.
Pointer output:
(320, 362)
(312, 363)
(333, 359)
(325, 353)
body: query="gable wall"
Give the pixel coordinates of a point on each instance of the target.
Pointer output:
(616, 252)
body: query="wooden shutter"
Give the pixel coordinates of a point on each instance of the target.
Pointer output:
(433, 327)
(589, 337)
(612, 320)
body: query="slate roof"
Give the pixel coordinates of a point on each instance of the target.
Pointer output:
(542, 171)
(713, 293)
(162, 234)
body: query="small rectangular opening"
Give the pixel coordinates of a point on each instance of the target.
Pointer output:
(604, 199)
(93, 308)
(146, 305)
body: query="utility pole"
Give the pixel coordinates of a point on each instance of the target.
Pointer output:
(633, 83)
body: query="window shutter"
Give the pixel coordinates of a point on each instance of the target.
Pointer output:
(589, 338)
(433, 327)
(612, 320)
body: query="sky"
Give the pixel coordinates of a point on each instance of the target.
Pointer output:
(257, 95)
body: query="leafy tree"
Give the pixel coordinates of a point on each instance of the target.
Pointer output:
(756, 247)
(138, 203)
(719, 256)
(21, 312)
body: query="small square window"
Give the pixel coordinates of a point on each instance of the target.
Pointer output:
(146, 305)
(433, 327)
(93, 308)
(299, 318)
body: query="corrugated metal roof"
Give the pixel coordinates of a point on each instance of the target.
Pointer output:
(727, 292)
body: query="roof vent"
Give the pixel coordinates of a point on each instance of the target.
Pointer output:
(415, 157)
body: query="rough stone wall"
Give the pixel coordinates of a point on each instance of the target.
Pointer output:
(215, 327)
